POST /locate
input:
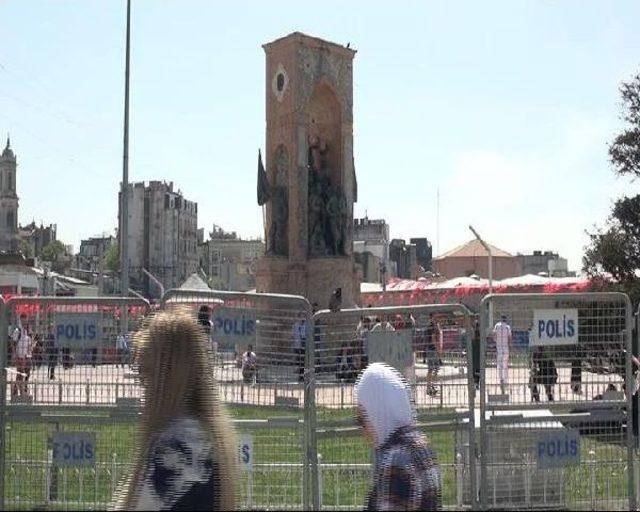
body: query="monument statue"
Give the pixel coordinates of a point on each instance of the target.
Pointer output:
(310, 187)
(327, 205)
(277, 243)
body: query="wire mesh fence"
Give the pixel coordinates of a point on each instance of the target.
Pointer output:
(431, 347)
(553, 401)
(272, 480)
(68, 351)
(287, 379)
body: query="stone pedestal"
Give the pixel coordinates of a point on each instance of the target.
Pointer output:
(316, 279)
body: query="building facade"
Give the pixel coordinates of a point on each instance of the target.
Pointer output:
(8, 201)
(371, 235)
(424, 252)
(162, 236)
(404, 259)
(544, 262)
(228, 261)
(35, 238)
(92, 252)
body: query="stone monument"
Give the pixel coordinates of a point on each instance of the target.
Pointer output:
(309, 185)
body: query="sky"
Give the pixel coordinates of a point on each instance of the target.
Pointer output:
(504, 107)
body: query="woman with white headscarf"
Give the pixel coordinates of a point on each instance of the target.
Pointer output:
(406, 473)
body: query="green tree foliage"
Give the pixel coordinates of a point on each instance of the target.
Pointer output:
(615, 248)
(25, 248)
(53, 252)
(112, 258)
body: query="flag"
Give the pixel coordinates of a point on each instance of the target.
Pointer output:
(264, 193)
(355, 180)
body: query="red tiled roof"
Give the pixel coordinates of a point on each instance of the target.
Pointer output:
(472, 249)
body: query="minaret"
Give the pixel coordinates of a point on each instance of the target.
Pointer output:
(8, 200)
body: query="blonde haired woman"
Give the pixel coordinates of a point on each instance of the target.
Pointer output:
(187, 458)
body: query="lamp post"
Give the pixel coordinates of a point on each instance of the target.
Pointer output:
(488, 249)
(124, 225)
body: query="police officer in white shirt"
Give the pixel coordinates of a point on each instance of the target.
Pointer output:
(23, 354)
(502, 337)
(299, 334)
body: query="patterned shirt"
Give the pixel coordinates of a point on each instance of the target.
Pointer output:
(180, 473)
(407, 475)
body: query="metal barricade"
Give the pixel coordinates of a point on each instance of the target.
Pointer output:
(65, 372)
(553, 408)
(77, 355)
(271, 475)
(263, 387)
(432, 346)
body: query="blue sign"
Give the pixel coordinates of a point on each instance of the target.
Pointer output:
(74, 449)
(553, 327)
(558, 449)
(245, 451)
(233, 326)
(78, 329)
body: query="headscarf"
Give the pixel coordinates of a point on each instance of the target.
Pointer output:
(384, 397)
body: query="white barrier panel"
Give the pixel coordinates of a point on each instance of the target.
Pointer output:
(554, 327)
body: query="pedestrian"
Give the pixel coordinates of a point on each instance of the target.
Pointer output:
(204, 319)
(345, 367)
(362, 341)
(23, 356)
(406, 472)
(503, 339)
(121, 348)
(299, 342)
(432, 357)
(187, 456)
(51, 350)
(543, 373)
(399, 323)
(249, 365)
(382, 324)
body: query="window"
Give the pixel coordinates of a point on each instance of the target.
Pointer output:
(10, 220)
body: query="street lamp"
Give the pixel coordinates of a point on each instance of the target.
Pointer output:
(124, 226)
(488, 249)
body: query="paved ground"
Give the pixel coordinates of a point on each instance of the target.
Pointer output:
(107, 384)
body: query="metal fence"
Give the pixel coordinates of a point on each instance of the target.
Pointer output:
(263, 386)
(291, 398)
(431, 346)
(553, 407)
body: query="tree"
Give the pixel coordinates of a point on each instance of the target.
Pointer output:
(56, 254)
(615, 249)
(25, 248)
(53, 251)
(112, 258)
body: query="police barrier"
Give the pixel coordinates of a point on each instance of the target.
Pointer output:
(258, 340)
(553, 404)
(435, 364)
(61, 461)
(58, 353)
(68, 350)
